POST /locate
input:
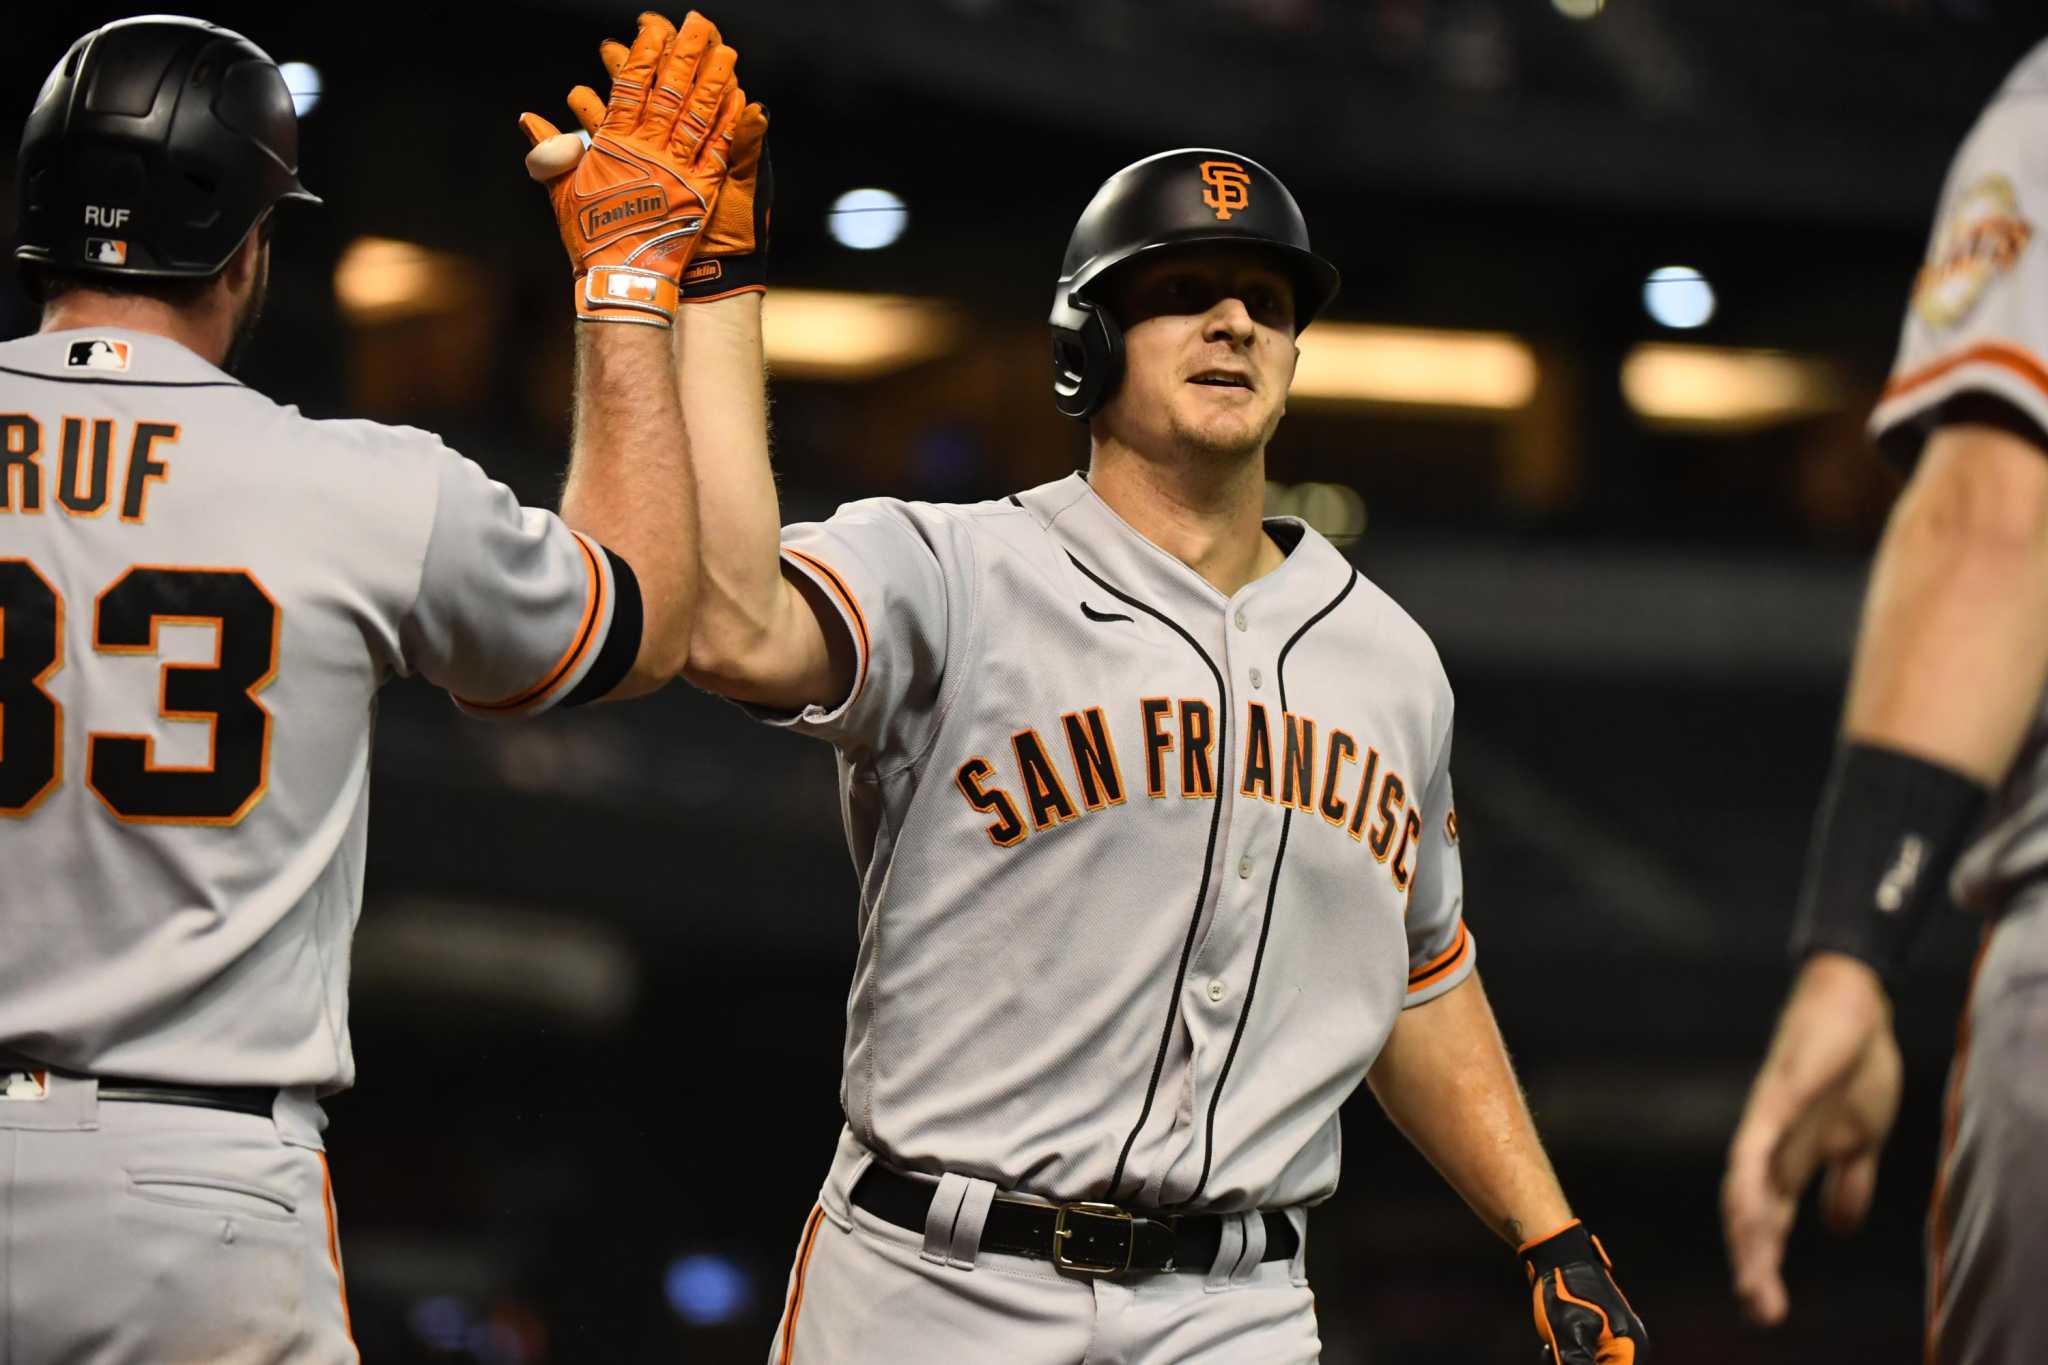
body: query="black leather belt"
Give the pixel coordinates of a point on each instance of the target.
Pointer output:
(1086, 1239)
(258, 1100)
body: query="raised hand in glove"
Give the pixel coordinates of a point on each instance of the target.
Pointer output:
(632, 209)
(732, 250)
(1580, 1314)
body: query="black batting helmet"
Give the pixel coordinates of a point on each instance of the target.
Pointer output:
(153, 148)
(1177, 198)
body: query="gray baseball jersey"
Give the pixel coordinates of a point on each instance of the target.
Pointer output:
(1146, 873)
(200, 593)
(1978, 325)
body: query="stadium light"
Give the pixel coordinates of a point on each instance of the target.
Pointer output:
(303, 80)
(867, 219)
(1353, 363)
(1717, 387)
(378, 279)
(820, 334)
(1678, 297)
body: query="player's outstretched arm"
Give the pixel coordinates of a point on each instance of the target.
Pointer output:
(757, 636)
(632, 210)
(1445, 1080)
(629, 485)
(760, 635)
(1950, 665)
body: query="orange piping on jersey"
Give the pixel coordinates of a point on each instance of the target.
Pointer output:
(211, 718)
(586, 635)
(1443, 964)
(334, 1251)
(796, 1286)
(2003, 355)
(38, 682)
(1952, 1113)
(847, 600)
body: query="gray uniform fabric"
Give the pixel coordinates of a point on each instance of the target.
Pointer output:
(200, 593)
(1146, 874)
(863, 1291)
(215, 950)
(1978, 327)
(153, 1234)
(1067, 764)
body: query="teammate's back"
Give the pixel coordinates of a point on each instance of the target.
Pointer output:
(202, 591)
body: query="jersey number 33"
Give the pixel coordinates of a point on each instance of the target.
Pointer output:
(120, 769)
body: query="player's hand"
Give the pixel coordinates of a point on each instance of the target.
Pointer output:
(1582, 1316)
(632, 208)
(1826, 1096)
(732, 251)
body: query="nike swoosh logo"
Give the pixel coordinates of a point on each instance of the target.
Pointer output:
(1095, 615)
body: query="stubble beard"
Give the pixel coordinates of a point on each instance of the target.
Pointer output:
(250, 315)
(1218, 443)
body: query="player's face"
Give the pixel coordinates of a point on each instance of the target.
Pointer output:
(1208, 352)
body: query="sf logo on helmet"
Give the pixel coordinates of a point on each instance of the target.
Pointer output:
(1230, 188)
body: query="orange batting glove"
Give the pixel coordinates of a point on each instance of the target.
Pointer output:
(1581, 1315)
(633, 207)
(732, 250)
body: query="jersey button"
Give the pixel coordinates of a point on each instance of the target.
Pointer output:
(1258, 678)
(1242, 624)
(1215, 992)
(1244, 865)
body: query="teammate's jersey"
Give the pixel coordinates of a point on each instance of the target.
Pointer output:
(200, 593)
(1978, 325)
(1146, 873)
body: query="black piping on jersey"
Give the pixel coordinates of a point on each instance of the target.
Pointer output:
(1272, 890)
(1102, 617)
(1187, 950)
(126, 383)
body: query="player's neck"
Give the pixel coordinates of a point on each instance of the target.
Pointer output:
(1209, 518)
(202, 331)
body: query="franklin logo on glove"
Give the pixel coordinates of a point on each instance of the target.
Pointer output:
(602, 216)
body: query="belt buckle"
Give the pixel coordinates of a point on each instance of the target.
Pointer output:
(1102, 1213)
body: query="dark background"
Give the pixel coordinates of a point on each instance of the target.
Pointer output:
(601, 973)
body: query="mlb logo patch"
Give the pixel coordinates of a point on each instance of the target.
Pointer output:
(99, 353)
(106, 251)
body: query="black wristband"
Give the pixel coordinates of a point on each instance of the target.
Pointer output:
(1889, 829)
(1569, 1245)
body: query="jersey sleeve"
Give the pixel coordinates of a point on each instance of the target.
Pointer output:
(515, 612)
(1441, 952)
(1977, 323)
(896, 577)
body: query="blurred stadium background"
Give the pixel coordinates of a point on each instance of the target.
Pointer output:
(601, 973)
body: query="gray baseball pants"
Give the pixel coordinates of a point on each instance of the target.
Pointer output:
(863, 1291)
(160, 1234)
(1988, 1223)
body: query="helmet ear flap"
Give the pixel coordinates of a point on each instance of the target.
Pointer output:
(1087, 356)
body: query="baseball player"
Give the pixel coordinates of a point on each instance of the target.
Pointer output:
(1150, 806)
(200, 594)
(1940, 787)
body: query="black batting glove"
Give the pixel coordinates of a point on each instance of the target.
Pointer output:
(1581, 1315)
